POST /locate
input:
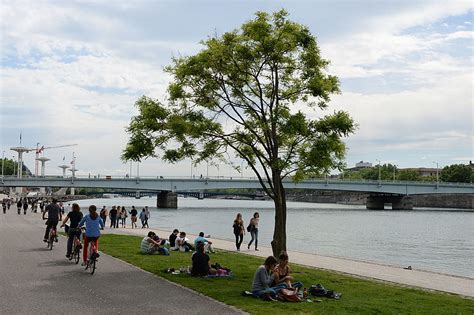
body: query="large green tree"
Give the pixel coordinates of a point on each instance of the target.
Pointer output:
(249, 93)
(457, 173)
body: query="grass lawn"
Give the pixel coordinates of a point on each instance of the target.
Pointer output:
(358, 296)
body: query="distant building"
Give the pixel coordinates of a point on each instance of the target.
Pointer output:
(360, 165)
(427, 171)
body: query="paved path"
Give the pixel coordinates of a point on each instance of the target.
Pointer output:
(415, 278)
(34, 279)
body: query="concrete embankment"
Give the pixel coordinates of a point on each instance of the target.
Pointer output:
(419, 201)
(415, 278)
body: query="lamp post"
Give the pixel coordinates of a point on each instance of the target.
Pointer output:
(437, 174)
(380, 174)
(394, 171)
(3, 162)
(138, 169)
(14, 166)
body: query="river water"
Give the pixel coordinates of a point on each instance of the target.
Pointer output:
(435, 240)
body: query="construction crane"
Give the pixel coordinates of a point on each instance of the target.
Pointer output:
(41, 150)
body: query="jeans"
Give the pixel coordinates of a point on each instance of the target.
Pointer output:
(273, 291)
(72, 232)
(254, 235)
(112, 221)
(49, 225)
(104, 218)
(238, 240)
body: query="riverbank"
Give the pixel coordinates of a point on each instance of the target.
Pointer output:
(415, 278)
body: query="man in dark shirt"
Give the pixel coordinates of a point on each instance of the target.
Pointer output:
(200, 260)
(113, 216)
(54, 215)
(172, 238)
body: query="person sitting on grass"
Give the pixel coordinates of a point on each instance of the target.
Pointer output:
(182, 243)
(200, 262)
(263, 279)
(150, 246)
(207, 244)
(172, 238)
(282, 273)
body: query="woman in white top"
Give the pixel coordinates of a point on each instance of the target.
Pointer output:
(253, 229)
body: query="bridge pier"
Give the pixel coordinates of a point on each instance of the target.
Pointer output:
(167, 199)
(403, 203)
(375, 202)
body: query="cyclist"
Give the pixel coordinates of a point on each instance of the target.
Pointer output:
(54, 215)
(93, 225)
(75, 216)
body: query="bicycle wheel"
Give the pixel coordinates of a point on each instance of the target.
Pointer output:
(92, 265)
(50, 241)
(77, 254)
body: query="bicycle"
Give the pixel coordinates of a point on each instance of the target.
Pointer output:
(77, 246)
(51, 238)
(92, 255)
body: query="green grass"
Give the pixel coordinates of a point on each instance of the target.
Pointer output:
(359, 296)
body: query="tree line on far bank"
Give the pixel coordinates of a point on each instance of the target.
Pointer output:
(456, 173)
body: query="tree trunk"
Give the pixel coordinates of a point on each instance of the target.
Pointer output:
(279, 232)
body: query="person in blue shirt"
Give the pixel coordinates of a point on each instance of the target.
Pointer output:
(93, 225)
(205, 241)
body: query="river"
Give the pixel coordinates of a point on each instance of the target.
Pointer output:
(434, 240)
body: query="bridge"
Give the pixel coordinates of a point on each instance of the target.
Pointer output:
(395, 192)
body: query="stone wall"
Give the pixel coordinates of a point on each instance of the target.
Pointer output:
(428, 201)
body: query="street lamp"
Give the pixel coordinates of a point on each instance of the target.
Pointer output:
(394, 170)
(3, 162)
(437, 173)
(380, 174)
(13, 159)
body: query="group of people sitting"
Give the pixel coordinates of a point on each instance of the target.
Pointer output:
(268, 280)
(177, 241)
(273, 276)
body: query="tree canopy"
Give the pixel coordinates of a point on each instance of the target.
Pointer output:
(457, 173)
(256, 93)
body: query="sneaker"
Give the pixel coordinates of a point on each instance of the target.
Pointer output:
(83, 264)
(68, 255)
(256, 249)
(56, 239)
(45, 240)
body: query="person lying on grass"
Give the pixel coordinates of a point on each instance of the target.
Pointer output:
(263, 279)
(282, 273)
(150, 246)
(200, 262)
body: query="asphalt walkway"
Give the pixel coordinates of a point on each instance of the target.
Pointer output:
(36, 280)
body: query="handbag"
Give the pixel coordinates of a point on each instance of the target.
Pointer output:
(289, 295)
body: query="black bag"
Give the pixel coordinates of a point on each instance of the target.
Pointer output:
(317, 290)
(250, 227)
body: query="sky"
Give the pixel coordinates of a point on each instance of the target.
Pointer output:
(71, 71)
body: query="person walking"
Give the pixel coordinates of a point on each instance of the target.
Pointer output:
(123, 217)
(103, 214)
(147, 216)
(18, 206)
(113, 216)
(253, 229)
(25, 205)
(239, 230)
(4, 206)
(119, 215)
(133, 217)
(143, 217)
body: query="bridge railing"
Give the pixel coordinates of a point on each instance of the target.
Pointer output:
(239, 178)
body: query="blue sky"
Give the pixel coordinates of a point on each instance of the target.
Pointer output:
(70, 72)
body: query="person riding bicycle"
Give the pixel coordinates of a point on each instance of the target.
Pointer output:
(93, 224)
(75, 216)
(54, 215)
